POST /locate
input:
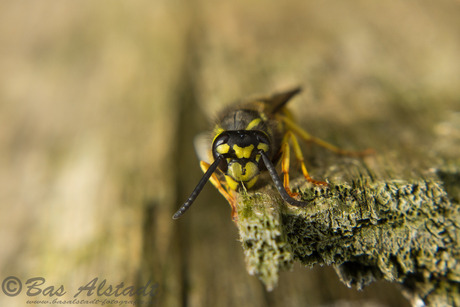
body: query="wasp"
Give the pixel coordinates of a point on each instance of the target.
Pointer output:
(251, 138)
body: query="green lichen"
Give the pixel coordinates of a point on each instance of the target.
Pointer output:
(264, 240)
(399, 231)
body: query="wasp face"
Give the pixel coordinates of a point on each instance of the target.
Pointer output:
(241, 152)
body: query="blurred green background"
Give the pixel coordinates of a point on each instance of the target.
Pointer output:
(100, 101)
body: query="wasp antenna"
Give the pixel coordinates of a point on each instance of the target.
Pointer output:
(279, 184)
(198, 188)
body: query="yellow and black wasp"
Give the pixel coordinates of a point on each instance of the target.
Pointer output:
(251, 138)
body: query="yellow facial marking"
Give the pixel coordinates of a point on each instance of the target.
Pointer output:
(243, 173)
(231, 183)
(223, 149)
(253, 123)
(243, 152)
(263, 146)
(251, 182)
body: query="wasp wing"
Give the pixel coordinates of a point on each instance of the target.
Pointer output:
(202, 144)
(279, 100)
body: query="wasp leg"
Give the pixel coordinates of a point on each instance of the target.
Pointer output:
(285, 163)
(222, 188)
(309, 138)
(289, 136)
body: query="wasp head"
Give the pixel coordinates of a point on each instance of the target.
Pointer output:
(240, 150)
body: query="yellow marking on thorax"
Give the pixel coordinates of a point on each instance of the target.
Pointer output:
(217, 131)
(253, 123)
(243, 152)
(263, 116)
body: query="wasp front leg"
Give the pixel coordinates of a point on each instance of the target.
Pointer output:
(285, 161)
(223, 189)
(285, 164)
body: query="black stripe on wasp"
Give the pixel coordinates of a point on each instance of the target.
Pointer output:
(252, 138)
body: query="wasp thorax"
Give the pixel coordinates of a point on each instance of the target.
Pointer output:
(241, 150)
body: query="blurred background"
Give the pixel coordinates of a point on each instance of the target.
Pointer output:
(100, 101)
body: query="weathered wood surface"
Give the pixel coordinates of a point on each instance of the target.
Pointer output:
(403, 232)
(99, 103)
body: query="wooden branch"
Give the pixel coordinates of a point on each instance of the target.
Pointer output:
(395, 230)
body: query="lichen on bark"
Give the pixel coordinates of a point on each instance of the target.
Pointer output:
(406, 232)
